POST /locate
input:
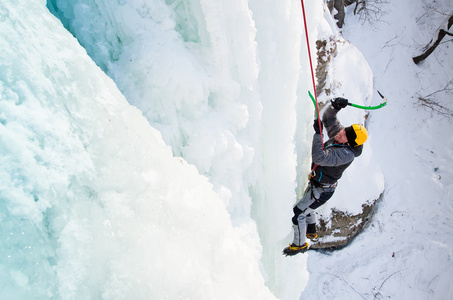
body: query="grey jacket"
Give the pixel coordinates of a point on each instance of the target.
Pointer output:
(334, 158)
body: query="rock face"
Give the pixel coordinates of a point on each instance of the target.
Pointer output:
(341, 228)
(339, 6)
(326, 51)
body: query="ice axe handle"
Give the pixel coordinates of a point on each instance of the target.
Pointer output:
(371, 107)
(368, 107)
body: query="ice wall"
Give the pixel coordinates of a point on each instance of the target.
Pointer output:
(191, 67)
(93, 203)
(220, 80)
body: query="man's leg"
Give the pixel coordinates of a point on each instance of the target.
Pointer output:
(311, 227)
(301, 211)
(304, 216)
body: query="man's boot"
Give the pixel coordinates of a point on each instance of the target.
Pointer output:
(299, 245)
(311, 233)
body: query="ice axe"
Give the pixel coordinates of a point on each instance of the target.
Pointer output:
(371, 107)
(356, 105)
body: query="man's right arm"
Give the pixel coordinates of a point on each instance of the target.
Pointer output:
(330, 121)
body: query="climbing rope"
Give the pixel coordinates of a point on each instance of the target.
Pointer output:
(312, 73)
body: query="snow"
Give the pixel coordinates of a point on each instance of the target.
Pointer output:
(154, 149)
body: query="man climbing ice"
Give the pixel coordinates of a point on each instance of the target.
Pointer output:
(329, 162)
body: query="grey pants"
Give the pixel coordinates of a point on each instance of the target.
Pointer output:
(313, 198)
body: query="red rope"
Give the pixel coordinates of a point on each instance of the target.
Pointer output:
(311, 69)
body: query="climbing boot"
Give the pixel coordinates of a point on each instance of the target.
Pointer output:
(294, 249)
(311, 233)
(312, 237)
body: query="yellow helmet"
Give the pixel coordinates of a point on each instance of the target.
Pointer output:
(356, 134)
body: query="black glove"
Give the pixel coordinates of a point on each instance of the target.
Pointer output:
(339, 103)
(316, 126)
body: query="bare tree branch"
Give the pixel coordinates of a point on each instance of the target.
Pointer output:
(442, 33)
(429, 102)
